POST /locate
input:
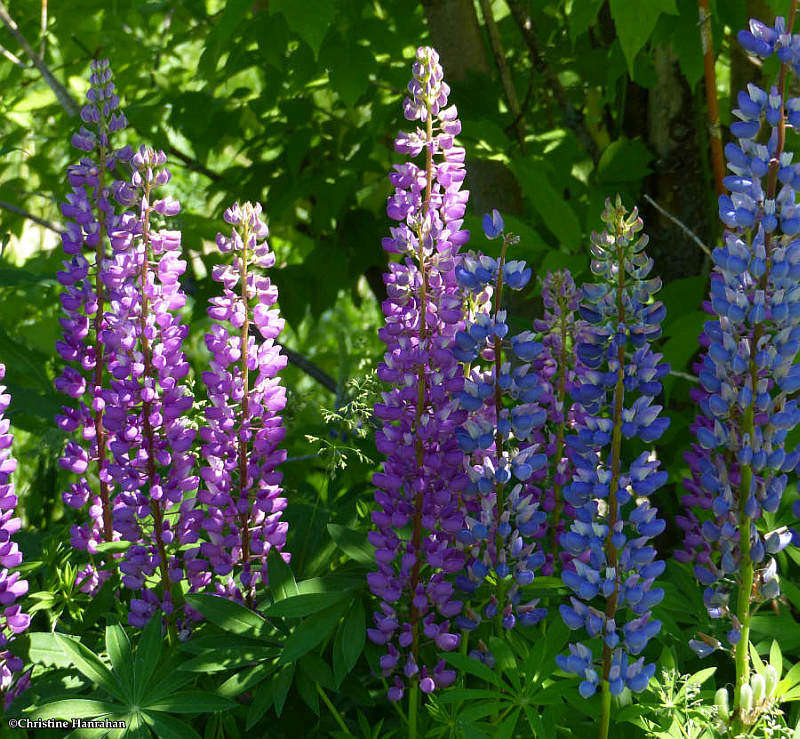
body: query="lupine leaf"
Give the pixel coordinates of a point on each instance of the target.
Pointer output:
(118, 647)
(76, 708)
(311, 632)
(354, 544)
(165, 726)
(227, 614)
(148, 651)
(309, 20)
(467, 664)
(349, 642)
(281, 579)
(298, 606)
(192, 701)
(90, 665)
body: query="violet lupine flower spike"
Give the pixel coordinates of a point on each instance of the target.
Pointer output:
(423, 472)
(91, 215)
(242, 490)
(503, 442)
(748, 373)
(557, 367)
(146, 403)
(12, 620)
(616, 390)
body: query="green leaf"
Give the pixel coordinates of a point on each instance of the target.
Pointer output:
(349, 642)
(466, 664)
(227, 614)
(349, 66)
(75, 708)
(624, 161)
(758, 665)
(169, 727)
(40, 648)
(505, 661)
(229, 658)
(309, 19)
(170, 682)
(90, 665)
(281, 579)
(243, 680)
(262, 700)
(298, 606)
(119, 651)
(635, 21)
(353, 543)
(581, 16)
(776, 658)
(283, 681)
(148, 651)
(556, 213)
(311, 632)
(192, 701)
(318, 670)
(113, 547)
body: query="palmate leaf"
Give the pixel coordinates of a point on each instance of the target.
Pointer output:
(192, 701)
(148, 652)
(77, 708)
(463, 663)
(299, 606)
(165, 726)
(228, 615)
(230, 658)
(119, 651)
(243, 680)
(90, 665)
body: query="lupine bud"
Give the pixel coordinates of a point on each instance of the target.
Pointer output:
(721, 702)
(746, 698)
(771, 679)
(758, 686)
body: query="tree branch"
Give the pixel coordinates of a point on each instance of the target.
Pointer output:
(502, 67)
(680, 224)
(25, 214)
(311, 369)
(572, 116)
(61, 93)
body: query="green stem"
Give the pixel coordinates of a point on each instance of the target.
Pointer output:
(332, 709)
(605, 719)
(413, 706)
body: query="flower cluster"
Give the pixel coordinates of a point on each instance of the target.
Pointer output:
(90, 214)
(747, 373)
(422, 475)
(502, 442)
(558, 367)
(147, 400)
(12, 619)
(616, 388)
(242, 488)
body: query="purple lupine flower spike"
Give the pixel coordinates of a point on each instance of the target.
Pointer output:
(90, 215)
(12, 620)
(503, 443)
(147, 401)
(241, 485)
(613, 591)
(423, 471)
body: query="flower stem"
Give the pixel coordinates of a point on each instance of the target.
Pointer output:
(413, 706)
(336, 715)
(562, 421)
(605, 718)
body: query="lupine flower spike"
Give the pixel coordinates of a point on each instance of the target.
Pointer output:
(503, 443)
(12, 620)
(147, 401)
(423, 472)
(91, 214)
(747, 373)
(241, 486)
(557, 368)
(613, 591)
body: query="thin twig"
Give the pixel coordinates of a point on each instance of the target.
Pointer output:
(43, 38)
(61, 93)
(684, 376)
(502, 66)
(680, 224)
(12, 57)
(25, 214)
(711, 96)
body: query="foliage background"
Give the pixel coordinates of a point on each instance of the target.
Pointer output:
(295, 104)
